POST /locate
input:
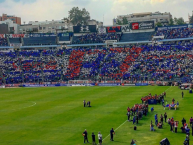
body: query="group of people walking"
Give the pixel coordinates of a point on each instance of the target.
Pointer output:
(85, 135)
(86, 104)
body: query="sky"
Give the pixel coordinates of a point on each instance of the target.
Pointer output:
(41, 10)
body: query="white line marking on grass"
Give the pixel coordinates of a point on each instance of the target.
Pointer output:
(34, 103)
(115, 130)
(167, 89)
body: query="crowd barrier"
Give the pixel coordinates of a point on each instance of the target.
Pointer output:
(72, 85)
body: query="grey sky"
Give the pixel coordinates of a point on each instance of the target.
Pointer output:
(40, 10)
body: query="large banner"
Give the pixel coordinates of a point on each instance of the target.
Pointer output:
(113, 29)
(102, 30)
(125, 28)
(85, 29)
(142, 25)
(41, 35)
(2, 35)
(15, 35)
(175, 27)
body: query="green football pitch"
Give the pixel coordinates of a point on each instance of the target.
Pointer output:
(56, 116)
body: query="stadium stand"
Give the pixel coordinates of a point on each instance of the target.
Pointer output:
(95, 38)
(15, 40)
(175, 33)
(40, 41)
(64, 38)
(150, 63)
(3, 42)
(145, 36)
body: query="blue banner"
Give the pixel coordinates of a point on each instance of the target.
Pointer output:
(152, 101)
(42, 35)
(141, 84)
(57, 85)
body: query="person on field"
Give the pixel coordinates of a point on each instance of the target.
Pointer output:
(191, 121)
(151, 127)
(133, 119)
(100, 138)
(169, 106)
(93, 139)
(162, 119)
(156, 120)
(182, 94)
(84, 102)
(172, 125)
(85, 134)
(88, 104)
(112, 132)
(183, 121)
(137, 118)
(177, 104)
(176, 126)
(165, 94)
(173, 101)
(152, 109)
(192, 129)
(165, 116)
(133, 142)
(128, 115)
(187, 131)
(169, 121)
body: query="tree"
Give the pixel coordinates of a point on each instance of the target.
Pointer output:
(66, 20)
(119, 22)
(171, 22)
(159, 24)
(179, 21)
(191, 20)
(78, 16)
(125, 21)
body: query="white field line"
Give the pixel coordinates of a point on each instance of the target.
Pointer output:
(127, 120)
(34, 103)
(168, 88)
(116, 129)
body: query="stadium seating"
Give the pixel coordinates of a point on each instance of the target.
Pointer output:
(14, 40)
(175, 33)
(135, 63)
(3, 42)
(40, 41)
(64, 38)
(145, 36)
(95, 38)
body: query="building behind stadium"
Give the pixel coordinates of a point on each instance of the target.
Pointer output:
(164, 18)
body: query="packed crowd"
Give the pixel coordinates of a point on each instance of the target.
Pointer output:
(95, 38)
(3, 42)
(32, 66)
(175, 33)
(137, 63)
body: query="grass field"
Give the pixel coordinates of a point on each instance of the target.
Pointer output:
(56, 116)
